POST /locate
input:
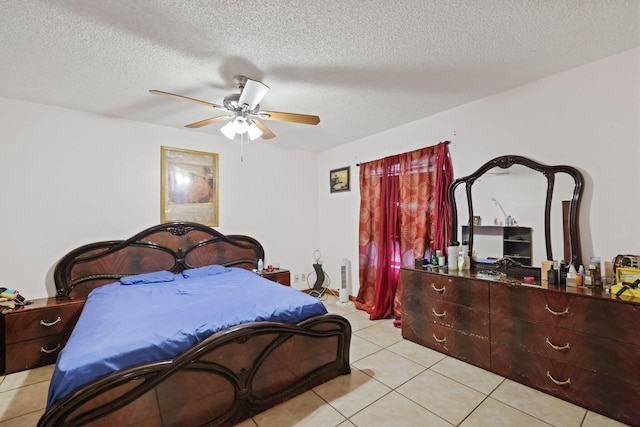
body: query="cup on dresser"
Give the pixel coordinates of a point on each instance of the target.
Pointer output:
(276, 266)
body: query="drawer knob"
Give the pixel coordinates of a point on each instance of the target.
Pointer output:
(555, 381)
(558, 348)
(444, 313)
(556, 313)
(438, 289)
(43, 323)
(53, 350)
(439, 340)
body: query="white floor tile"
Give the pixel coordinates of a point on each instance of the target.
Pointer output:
(307, 410)
(395, 410)
(416, 353)
(469, 375)
(542, 406)
(443, 396)
(492, 413)
(389, 368)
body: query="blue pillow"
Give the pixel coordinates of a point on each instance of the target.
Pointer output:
(207, 270)
(155, 277)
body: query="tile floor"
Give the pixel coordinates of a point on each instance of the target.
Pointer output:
(393, 382)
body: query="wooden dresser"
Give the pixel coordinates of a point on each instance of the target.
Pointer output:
(578, 344)
(33, 335)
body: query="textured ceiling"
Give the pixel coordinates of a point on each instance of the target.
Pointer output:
(362, 66)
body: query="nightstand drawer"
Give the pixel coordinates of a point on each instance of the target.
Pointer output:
(280, 276)
(29, 323)
(32, 353)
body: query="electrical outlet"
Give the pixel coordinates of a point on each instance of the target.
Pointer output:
(303, 277)
(296, 278)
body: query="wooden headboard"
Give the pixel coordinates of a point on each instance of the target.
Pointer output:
(172, 246)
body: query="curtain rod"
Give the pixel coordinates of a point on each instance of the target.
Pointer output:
(446, 142)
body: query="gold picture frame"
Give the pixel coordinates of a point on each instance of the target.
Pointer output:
(188, 186)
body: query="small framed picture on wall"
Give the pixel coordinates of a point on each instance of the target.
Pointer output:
(340, 179)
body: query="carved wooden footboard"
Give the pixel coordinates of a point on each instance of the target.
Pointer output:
(229, 377)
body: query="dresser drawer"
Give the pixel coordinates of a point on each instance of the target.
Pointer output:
(600, 393)
(33, 323)
(427, 286)
(463, 346)
(594, 316)
(32, 353)
(585, 351)
(458, 317)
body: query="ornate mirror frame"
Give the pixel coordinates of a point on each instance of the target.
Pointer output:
(506, 264)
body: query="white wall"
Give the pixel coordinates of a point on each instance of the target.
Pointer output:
(68, 178)
(587, 117)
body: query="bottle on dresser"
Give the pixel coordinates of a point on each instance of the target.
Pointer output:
(452, 256)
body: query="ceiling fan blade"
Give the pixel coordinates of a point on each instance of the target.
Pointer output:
(207, 121)
(266, 132)
(253, 93)
(205, 103)
(289, 117)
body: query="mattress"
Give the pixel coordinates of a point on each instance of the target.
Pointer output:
(159, 316)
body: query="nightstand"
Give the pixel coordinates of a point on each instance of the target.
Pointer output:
(280, 276)
(33, 335)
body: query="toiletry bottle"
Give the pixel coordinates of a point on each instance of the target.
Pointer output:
(571, 279)
(562, 272)
(260, 265)
(580, 276)
(465, 247)
(434, 258)
(552, 274)
(440, 258)
(467, 262)
(452, 256)
(461, 260)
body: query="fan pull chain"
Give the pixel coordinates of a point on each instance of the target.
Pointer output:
(242, 147)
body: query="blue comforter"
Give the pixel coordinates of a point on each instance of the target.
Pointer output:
(157, 317)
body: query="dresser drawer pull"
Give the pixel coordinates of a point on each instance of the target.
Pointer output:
(439, 340)
(43, 323)
(558, 348)
(556, 313)
(438, 289)
(53, 350)
(555, 381)
(444, 313)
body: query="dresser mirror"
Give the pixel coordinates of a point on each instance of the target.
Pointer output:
(518, 200)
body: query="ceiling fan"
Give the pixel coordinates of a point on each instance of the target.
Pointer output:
(245, 111)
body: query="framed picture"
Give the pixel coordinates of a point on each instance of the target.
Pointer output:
(188, 186)
(340, 179)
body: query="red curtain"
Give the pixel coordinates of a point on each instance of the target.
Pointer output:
(443, 210)
(398, 209)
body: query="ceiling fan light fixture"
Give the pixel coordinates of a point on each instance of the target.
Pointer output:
(228, 130)
(254, 131)
(240, 125)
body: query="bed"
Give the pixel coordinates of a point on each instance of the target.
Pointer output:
(219, 377)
